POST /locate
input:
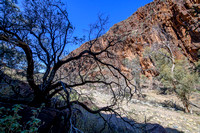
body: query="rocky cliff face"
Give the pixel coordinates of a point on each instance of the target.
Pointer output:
(161, 22)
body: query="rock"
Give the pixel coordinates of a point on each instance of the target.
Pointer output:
(155, 128)
(175, 126)
(150, 25)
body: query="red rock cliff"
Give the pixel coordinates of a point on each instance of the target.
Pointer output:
(176, 22)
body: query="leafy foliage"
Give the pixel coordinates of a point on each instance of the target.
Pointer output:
(182, 79)
(10, 120)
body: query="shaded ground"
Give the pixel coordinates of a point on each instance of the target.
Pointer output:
(91, 123)
(165, 110)
(151, 110)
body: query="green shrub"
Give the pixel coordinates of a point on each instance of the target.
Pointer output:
(9, 120)
(177, 75)
(182, 80)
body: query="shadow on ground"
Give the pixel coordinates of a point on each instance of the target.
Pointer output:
(112, 123)
(88, 123)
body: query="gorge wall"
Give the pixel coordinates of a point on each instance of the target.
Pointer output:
(161, 22)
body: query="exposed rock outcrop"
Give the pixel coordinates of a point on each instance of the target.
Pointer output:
(174, 22)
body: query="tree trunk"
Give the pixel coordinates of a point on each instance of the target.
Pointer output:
(39, 98)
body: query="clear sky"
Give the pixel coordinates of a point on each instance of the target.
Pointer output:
(84, 12)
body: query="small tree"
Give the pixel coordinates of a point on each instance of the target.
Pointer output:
(175, 74)
(134, 67)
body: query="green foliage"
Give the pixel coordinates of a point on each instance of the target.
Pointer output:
(9, 120)
(182, 79)
(187, 80)
(9, 123)
(184, 76)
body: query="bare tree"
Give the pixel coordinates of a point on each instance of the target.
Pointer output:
(42, 31)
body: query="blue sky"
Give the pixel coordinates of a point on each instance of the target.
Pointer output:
(84, 12)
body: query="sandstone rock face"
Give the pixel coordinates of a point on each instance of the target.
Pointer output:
(174, 22)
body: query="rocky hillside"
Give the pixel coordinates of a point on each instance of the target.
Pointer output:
(161, 22)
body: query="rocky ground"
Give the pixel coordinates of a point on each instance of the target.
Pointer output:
(153, 109)
(188, 123)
